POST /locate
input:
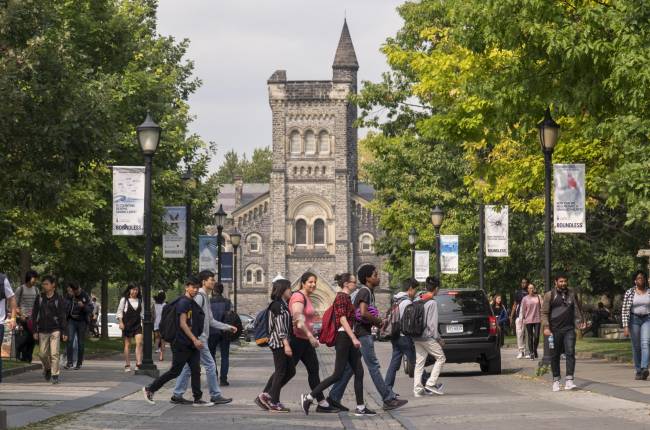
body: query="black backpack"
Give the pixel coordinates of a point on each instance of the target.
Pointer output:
(169, 321)
(231, 318)
(413, 322)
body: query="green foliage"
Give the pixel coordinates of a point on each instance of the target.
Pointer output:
(458, 115)
(255, 170)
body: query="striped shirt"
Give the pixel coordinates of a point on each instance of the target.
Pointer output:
(279, 324)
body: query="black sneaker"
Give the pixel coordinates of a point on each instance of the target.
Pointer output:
(327, 409)
(77, 367)
(47, 374)
(224, 383)
(180, 401)
(148, 395)
(394, 404)
(305, 403)
(55, 379)
(68, 366)
(198, 403)
(337, 405)
(644, 374)
(220, 400)
(638, 376)
(261, 404)
(365, 412)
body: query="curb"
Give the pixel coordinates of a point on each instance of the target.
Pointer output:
(613, 358)
(22, 369)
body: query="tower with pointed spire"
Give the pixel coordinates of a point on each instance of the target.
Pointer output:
(313, 215)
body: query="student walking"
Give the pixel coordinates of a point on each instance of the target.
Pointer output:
(130, 313)
(156, 311)
(402, 345)
(49, 320)
(531, 306)
(206, 278)
(220, 307)
(366, 316)
(560, 311)
(501, 314)
(636, 323)
(186, 345)
(25, 297)
(430, 343)
(517, 319)
(347, 349)
(303, 342)
(80, 308)
(279, 329)
(7, 301)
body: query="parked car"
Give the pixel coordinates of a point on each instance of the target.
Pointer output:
(113, 326)
(469, 329)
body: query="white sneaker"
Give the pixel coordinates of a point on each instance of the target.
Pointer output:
(422, 393)
(436, 389)
(556, 386)
(569, 384)
(521, 355)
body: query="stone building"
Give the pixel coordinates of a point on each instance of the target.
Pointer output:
(313, 214)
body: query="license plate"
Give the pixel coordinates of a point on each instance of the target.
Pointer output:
(454, 328)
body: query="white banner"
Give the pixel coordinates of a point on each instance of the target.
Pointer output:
(174, 237)
(449, 253)
(569, 215)
(496, 231)
(421, 265)
(128, 201)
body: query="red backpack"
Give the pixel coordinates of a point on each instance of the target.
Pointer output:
(328, 329)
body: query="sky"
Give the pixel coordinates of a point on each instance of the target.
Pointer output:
(237, 44)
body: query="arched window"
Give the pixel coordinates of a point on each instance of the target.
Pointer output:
(310, 142)
(367, 242)
(324, 142)
(294, 143)
(319, 232)
(249, 276)
(258, 276)
(254, 242)
(301, 232)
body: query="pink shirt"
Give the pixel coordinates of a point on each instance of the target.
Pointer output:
(308, 312)
(531, 307)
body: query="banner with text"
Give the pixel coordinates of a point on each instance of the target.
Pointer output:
(421, 268)
(449, 253)
(174, 236)
(496, 231)
(569, 215)
(208, 253)
(128, 201)
(226, 267)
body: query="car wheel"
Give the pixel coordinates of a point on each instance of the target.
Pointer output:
(493, 365)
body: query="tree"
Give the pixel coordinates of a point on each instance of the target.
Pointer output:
(257, 170)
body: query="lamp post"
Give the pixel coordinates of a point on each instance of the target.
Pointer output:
(413, 238)
(437, 217)
(149, 136)
(235, 240)
(221, 220)
(549, 132)
(190, 183)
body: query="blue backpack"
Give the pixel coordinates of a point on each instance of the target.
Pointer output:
(262, 327)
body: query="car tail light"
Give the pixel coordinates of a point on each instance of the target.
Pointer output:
(492, 321)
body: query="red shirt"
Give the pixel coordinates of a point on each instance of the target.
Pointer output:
(343, 308)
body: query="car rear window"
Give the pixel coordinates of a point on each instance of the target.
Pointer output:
(463, 302)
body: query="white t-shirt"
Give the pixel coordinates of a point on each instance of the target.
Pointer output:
(159, 308)
(9, 293)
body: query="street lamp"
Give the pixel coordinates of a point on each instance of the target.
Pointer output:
(549, 132)
(190, 183)
(413, 238)
(235, 240)
(149, 136)
(220, 216)
(437, 217)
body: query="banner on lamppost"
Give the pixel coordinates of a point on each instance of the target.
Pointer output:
(208, 253)
(226, 267)
(128, 200)
(449, 254)
(569, 215)
(496, 231)
(421, 265)
(174, 236)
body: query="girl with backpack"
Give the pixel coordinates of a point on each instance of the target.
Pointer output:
(279, 331)
(130, 313)
(156, 312)
(347, 348)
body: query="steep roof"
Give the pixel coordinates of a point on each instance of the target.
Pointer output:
(345, 56)
(249, 193)
(366, 191)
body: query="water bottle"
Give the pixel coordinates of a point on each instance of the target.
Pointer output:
(551, 343)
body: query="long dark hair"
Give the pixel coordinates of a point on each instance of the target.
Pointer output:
(279, 287)
(128, 288)
(305, 277)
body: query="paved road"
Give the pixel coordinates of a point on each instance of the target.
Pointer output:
(472, 401)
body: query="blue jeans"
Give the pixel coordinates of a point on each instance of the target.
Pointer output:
(217, 340)
(2, 336)
(402, 346)
(210, 373)
(372, 363)
(76, 330)
(640, 336)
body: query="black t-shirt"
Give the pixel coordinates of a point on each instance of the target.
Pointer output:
(188, 307)
(362, 328)
(562, 311)
(519, 296)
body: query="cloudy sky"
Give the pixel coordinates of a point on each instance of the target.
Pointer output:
(237, 44)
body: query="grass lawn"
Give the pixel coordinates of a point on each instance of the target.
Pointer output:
(10, 363)
(98, 346)
(620, 347)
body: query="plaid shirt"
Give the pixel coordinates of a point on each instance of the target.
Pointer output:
(626, 310)
(343, 308)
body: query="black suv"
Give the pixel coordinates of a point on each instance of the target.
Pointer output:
(469, 329)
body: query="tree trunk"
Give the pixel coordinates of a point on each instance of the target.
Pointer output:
(104, 301)
(25, 263)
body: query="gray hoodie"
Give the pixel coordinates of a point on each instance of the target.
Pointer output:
(202, 300)
(431, 318)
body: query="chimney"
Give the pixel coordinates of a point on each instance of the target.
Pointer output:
(239, 187)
